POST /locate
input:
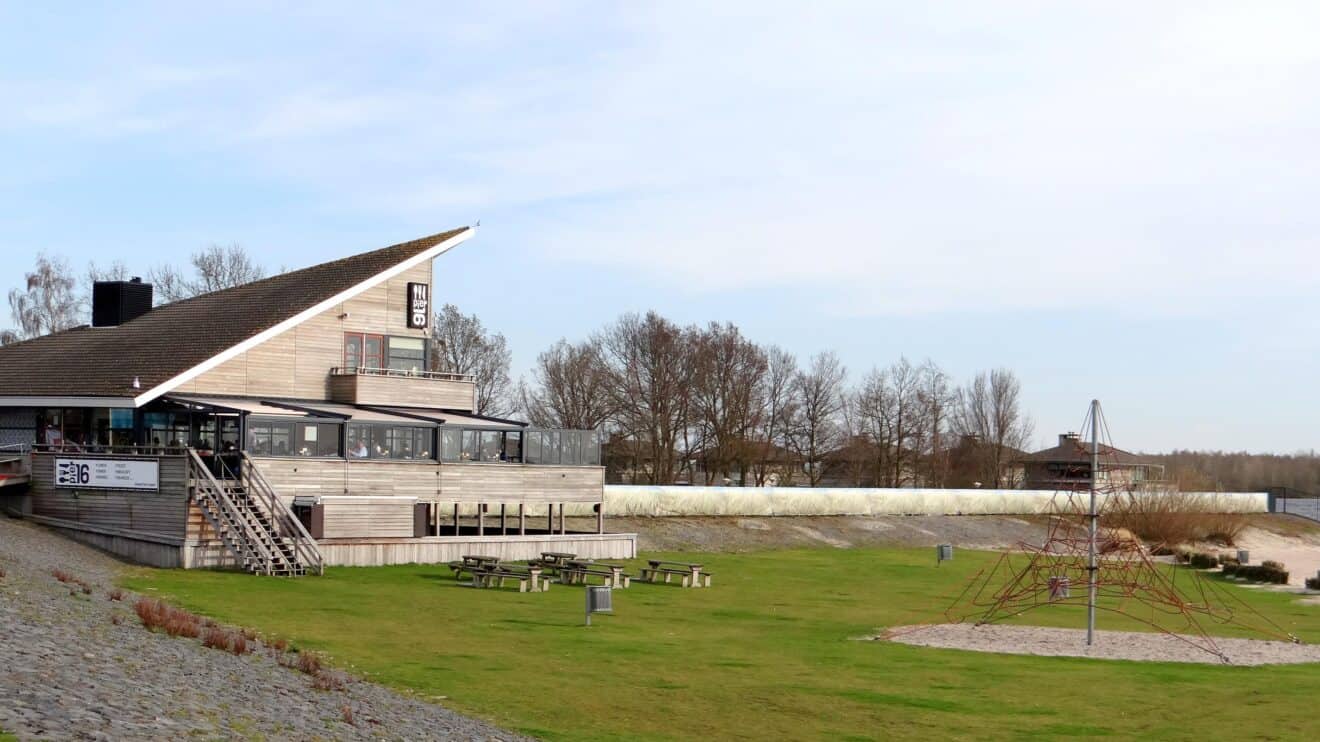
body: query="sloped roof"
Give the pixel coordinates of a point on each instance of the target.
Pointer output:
(1077, 451)
(174, 338)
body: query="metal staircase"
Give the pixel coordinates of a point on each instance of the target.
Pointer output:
(253, 523)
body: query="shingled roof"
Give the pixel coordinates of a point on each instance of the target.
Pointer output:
(175, 338)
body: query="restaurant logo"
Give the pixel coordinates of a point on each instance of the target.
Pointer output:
(419, 304)
(117, 474)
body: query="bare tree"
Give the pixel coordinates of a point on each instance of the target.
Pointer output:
(8, 337)
(49, 302)
(819, 399)
(214, 268)
(572, 388)
(989, 408)
(781, 407)
(650, 364)
(462, 345)
(728, 401)
(936, 397)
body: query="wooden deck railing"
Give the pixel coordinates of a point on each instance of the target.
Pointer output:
(285, 522)
(228, 520)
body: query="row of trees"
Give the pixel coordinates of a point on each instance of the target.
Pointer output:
(55, 297)
(708, 404)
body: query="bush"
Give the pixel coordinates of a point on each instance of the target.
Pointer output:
(1231, 568)
(115, 594)
(1173, 518)
(156, 614)
(1270, 572)
(1202, 560)
(1313, 583)
(329, 680)
(279, 644)
(308, 662)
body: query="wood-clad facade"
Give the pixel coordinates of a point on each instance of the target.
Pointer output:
(332, 403)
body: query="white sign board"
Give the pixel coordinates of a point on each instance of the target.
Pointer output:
(119, 474)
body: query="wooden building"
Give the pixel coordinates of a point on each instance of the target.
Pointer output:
(1067, 466)
(283, 425)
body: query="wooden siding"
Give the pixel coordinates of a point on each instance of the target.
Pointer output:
(377, 518)
(163, 512)
(403, 391)
(296, 363)
(511, 483)
(521, 483)
(439, 550)
(162, 554)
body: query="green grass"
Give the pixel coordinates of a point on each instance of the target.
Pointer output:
(765, 654)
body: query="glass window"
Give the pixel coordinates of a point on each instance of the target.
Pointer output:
(471, 446)
(571, 448)
(407, 354)
(451, 444)
(550, 446)
(492, 448)
(591, 448)
(269, 438)
(352, 351)
(374, 356)
(360, 441)
(533, 446)
(422, 438)
(513, 446)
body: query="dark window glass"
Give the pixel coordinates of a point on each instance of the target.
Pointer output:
(422, 438)
(471, 446)
(491, 445)
(591, 448)
(360, 442)
(551, 446)
(513, 446)
(571, 447)
(352, 351)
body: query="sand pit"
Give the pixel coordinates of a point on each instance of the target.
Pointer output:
(1109, 645)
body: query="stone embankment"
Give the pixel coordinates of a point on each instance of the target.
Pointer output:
(75, 664)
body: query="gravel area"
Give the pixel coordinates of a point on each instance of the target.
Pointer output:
(1109, 645)
(81, 666)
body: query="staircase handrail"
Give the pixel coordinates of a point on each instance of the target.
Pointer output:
(251, 540)
(303, 543)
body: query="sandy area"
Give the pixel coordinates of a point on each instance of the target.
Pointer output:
(1300, 553)
(1109, 645)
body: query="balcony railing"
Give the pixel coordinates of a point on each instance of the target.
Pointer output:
(401, 373)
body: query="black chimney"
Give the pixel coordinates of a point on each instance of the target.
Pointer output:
(117, 302)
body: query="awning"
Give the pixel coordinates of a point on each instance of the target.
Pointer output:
(456, 419)
(237, 404)
(361, 414)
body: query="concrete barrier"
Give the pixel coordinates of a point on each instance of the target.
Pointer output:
(660, 501)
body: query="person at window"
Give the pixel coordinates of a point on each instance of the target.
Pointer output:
(359, 449)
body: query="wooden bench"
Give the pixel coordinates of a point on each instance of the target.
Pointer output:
(529, 578)
(470, 562)
(690, 574)
(577, 572)
(553, 561)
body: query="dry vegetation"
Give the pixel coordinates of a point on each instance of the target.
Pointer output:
(1163, 520)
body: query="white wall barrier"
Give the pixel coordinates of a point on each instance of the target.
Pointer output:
(624, 500)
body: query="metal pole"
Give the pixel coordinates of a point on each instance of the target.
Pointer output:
(588, 598)
(1091, 563)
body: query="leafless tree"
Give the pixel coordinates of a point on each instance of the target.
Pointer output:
(818, 394)
(650, 365)
(571, 388)
(728, 401)
(774, 437)
(989, 408)
(214, 268)
(462, 345)
(8, 337)
(935, 395)
(49, 301)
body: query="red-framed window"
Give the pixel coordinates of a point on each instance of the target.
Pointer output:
(364, 350)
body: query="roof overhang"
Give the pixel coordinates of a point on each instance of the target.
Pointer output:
(56, 401)
(429, 254)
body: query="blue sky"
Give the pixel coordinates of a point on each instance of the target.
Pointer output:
(1117, 200)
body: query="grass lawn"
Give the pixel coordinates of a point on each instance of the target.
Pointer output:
(765, 654)
(7, 737)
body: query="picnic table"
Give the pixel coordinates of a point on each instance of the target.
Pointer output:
(689, 574)
(528, 577)
(472, 562)
(553, 561)
(578, 570)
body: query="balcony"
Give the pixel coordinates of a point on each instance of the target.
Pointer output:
(391, 387)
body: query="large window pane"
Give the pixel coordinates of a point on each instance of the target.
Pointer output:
(513, 446)
(451, 446)
(281, 439)
(491, 445)
(571, 448)
(327, 443)
(533, 446)
(471, 446)
(407, 354)
(360, 443)
(550, 446)
(591, 448)
(258, 443)
(422, 438)
(307, 439)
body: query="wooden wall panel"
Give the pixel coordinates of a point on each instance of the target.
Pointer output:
(521, 483)
(163, 513)
(374, 518)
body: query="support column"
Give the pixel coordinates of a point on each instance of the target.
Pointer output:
(481, 519)
(550, 518)
(600, 517)
(503, 530)
(562, 528)
(455, 519)
(522, 519)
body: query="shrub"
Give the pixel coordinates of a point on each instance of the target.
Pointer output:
(279, 644)
(346, 712)
(1271, 564)
(1231, 568)
(1313, 583)
(1202, 560)
(216, 638)
(328, 680)
(115, 594)
(116, 619)
(62, 576)
(156, 614)
(1169, 519)
(309, 662)
(1271, 572)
